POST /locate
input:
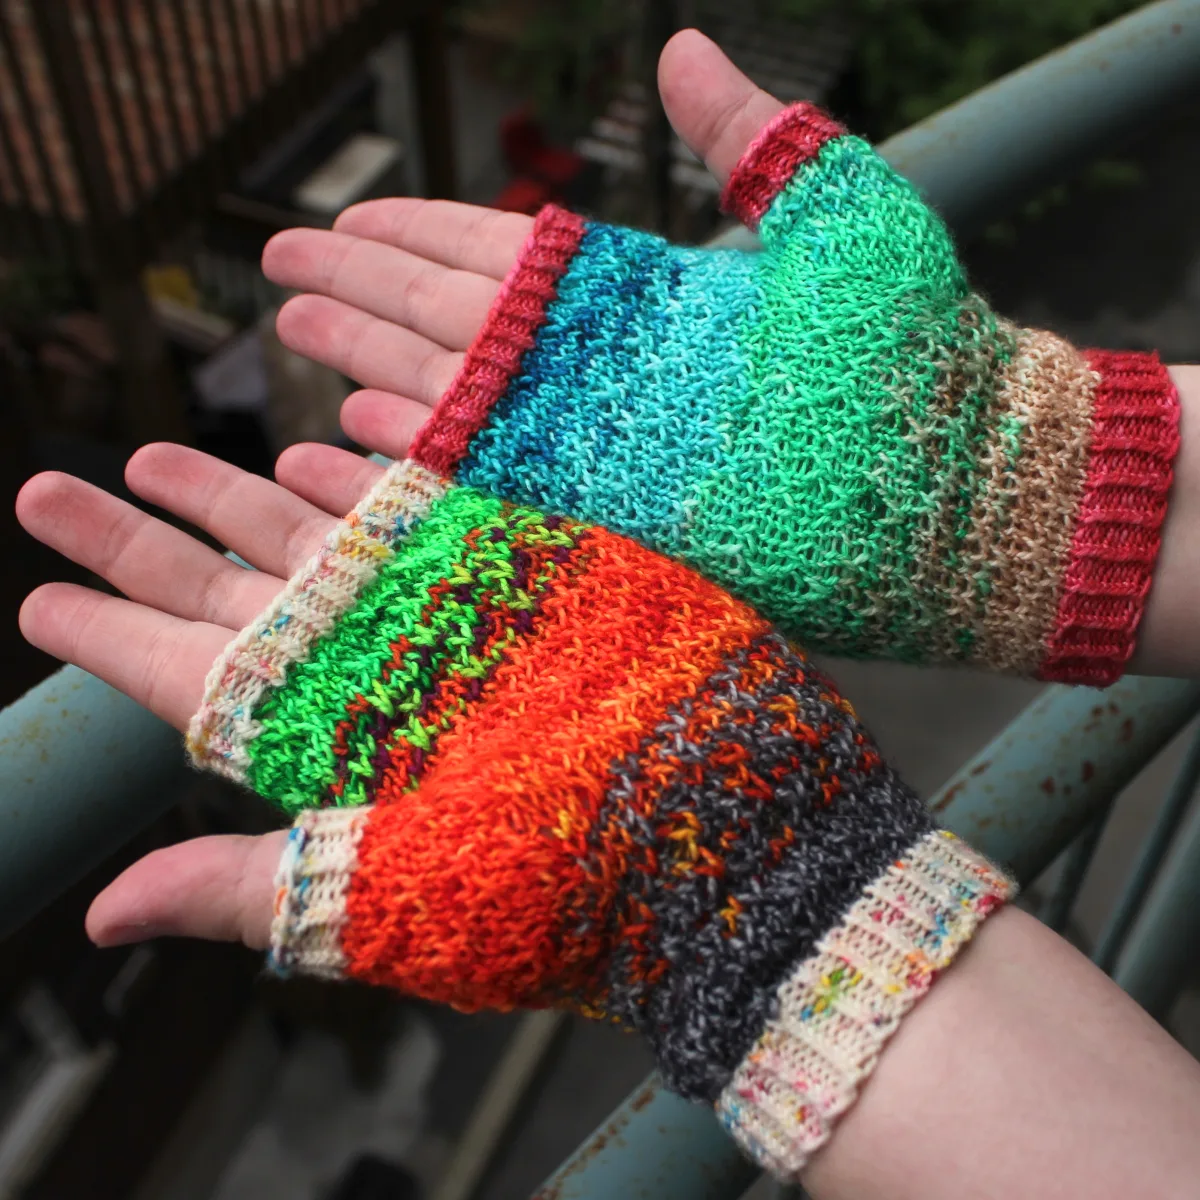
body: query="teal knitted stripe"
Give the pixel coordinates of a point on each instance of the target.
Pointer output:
(617, 409)
(844, 458)
(806, 425)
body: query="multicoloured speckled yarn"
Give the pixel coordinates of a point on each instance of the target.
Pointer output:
(538, 764)
(836, 429)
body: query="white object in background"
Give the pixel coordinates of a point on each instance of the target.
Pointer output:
(364, 166)
(235, 378)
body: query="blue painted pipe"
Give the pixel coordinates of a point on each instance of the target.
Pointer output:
(979, 158)
(84, 768)
(1159, 954)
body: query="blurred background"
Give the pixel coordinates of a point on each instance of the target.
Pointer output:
(148, 150)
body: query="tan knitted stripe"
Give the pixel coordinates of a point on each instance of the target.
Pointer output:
(1024, 518)
(838, 1008)
(311, 885)
(982, 344)
(307, 608)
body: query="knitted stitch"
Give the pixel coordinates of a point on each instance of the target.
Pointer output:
(536, 763)
(837, 428)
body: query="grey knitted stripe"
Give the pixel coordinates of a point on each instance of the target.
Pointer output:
(707, 1010)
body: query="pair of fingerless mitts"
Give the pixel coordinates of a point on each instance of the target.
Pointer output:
(537, 760)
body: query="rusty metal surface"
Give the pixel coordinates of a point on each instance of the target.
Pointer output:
(1025, 797)
(84, 769)
(1151, 856)
(976, 159)
(1158, 956)
(979, 158)
(654, 1146)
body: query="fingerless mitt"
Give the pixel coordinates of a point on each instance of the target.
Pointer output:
(836, 428)
(537, 764)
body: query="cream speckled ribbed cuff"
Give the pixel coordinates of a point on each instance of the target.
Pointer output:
(306, 610)
(837, 1010)
(310, 892)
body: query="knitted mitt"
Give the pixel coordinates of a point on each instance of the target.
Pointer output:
(537, 764)
(837, 428)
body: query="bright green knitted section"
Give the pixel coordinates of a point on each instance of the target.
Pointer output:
(812, 426)
(419, 629)
(860, 429)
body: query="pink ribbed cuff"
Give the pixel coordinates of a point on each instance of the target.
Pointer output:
(790, 138)
(1135, 436)
(510, 329)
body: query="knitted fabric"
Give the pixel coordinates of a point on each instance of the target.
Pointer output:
(836, 428)
(536, 763)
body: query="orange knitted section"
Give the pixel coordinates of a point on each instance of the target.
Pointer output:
(450, 704)
(500, 825)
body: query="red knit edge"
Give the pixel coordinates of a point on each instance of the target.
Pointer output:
(1135, 436)
(790, 138)
(511, 327)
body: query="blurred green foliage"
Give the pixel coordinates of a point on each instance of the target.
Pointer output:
(911, 57)
(32, 290)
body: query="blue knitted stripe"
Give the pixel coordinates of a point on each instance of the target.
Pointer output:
(621, 408)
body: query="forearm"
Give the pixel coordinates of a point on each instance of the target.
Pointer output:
(1169, 640)
(1025, 1072)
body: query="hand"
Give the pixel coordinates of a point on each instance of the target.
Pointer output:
(184, 602)
(396, 316)
(399, 288)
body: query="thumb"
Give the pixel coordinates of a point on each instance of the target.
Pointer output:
(713, 107)
(218, 888)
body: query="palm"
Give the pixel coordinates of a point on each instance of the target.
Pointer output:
(395, 295)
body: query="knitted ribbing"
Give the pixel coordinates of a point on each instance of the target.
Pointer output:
(538, 764)
(836, 428)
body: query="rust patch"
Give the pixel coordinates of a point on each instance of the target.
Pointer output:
(1112, 708)
(1126, 734)
(1048, 786)
(1098, 711)
(951, 792)
(979, 770)
(596, 1145)
(1087, 771)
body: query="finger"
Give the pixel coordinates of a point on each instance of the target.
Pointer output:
(375, 353)
(381, 421)
(713, 107)
(145, 558)
(156, 659)
(445, 305)
(258, 520)
(332, 478)
(218, 888)
(463, 236)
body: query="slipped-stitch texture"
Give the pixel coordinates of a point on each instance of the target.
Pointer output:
(837, 428)
(536, 763)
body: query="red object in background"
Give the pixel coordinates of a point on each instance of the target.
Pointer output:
(527, 152)
(542, 171)
(523, 196)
